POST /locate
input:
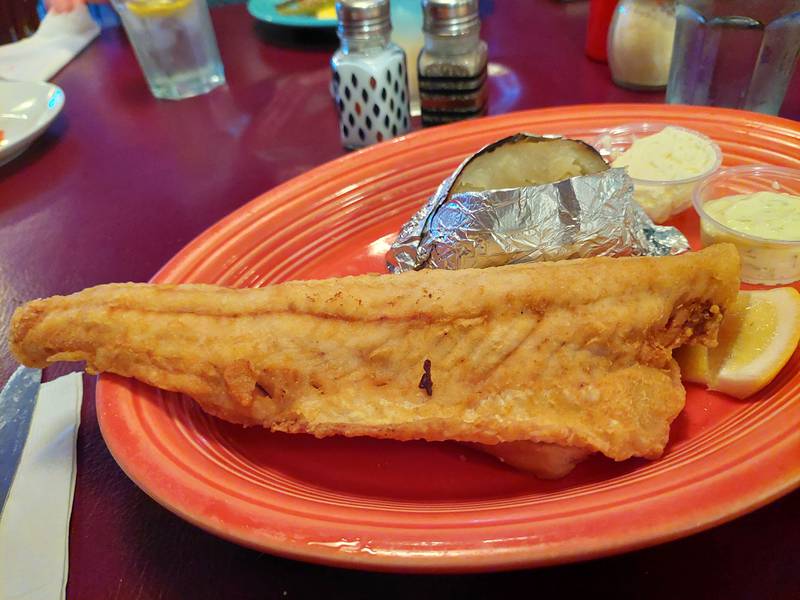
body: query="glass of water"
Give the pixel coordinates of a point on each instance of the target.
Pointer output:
(175, 45)
(734, 53)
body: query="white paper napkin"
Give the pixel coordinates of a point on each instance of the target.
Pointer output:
(34, 525)
(58, 40)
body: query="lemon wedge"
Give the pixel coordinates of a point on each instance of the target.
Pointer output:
(756, 339)
(156, 8)
(327, 13)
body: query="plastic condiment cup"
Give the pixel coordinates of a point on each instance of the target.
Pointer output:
(660, 198)
(764, 261)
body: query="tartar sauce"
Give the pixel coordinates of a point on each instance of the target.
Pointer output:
(765, 224)
(767, 215)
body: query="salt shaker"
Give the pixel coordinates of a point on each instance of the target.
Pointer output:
(370, 83)
(452, 64)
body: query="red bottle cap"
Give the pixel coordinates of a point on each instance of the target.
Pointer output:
(600, 14)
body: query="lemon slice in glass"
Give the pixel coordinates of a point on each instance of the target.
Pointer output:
(756, 339)
(156, 8)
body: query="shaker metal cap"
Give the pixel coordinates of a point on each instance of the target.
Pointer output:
(363, 18)
(450, 17)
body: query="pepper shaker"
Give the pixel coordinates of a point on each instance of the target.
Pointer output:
(452, 64)
(370, 82)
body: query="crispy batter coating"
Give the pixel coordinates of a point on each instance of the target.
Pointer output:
(546, 461)
(575, 353)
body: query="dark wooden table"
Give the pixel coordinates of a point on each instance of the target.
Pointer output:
(121, 182)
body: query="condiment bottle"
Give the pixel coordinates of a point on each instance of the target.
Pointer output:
(600, 14)
(640, 43)
(452, 64)
(370, 83)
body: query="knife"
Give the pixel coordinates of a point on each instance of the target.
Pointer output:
(17, 401)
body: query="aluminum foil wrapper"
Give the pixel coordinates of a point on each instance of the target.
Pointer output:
(589, 215)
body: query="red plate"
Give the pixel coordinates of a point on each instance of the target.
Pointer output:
(416, 506)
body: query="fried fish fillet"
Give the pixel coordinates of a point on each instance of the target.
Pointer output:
(575, 353)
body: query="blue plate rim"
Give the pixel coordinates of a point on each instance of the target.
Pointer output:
(264, 10)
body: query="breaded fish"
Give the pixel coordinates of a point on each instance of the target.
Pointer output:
(575, 353)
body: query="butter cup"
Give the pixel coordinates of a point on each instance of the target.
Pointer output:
(661, 198)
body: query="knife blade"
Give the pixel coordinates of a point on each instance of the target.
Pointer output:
(17, 401)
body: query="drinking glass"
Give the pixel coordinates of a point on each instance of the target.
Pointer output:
(175, 45)
(734, 53)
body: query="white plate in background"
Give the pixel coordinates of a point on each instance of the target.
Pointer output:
(26, 109)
